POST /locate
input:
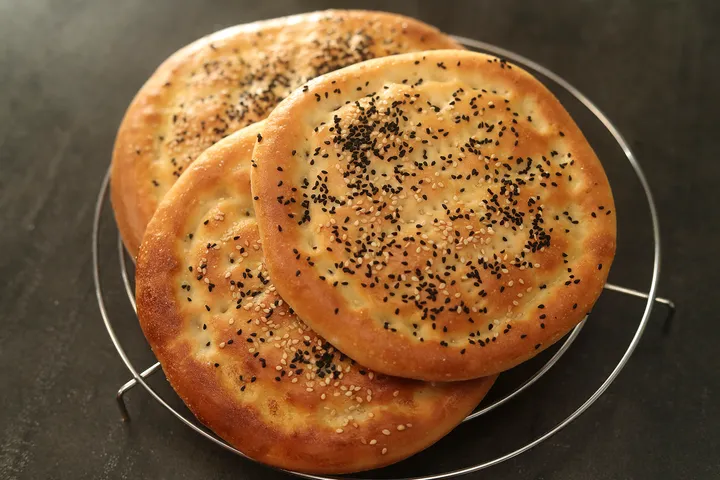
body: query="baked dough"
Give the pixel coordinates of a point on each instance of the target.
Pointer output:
(229, 80)
(434, 215)
(243, 363)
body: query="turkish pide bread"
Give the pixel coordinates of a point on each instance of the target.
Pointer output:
(433, 215)
(241, 360)
(229, 80)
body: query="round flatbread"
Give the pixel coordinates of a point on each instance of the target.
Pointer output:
(434, 215)
(231, 79)
(241, 360)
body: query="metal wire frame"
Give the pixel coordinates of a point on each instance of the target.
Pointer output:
(139, 377)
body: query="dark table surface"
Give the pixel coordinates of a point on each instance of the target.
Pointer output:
(68, 70)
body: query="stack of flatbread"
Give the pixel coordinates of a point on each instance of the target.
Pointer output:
(346, 226)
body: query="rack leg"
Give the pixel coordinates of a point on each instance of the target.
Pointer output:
(120, 397)
(635, 293)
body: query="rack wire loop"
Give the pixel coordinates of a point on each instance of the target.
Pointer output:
(139, 378)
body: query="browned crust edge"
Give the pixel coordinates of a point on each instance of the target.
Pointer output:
(397, 355)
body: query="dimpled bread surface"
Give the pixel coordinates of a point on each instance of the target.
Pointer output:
(241, 360)
(231, 79)
(434, 215)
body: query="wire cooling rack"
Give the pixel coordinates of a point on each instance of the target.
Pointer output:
(650, 298)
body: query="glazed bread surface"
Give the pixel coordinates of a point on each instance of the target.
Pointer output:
(434, 215)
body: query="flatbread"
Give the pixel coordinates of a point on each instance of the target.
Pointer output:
(231, 79)
(434, 215)
(240, 359)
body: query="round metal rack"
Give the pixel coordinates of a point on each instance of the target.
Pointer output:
(139, 377)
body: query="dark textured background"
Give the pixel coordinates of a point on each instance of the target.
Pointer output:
(69, 68)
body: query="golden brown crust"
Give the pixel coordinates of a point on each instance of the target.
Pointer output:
(441, 209)
(253, 383)
(230, 79)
